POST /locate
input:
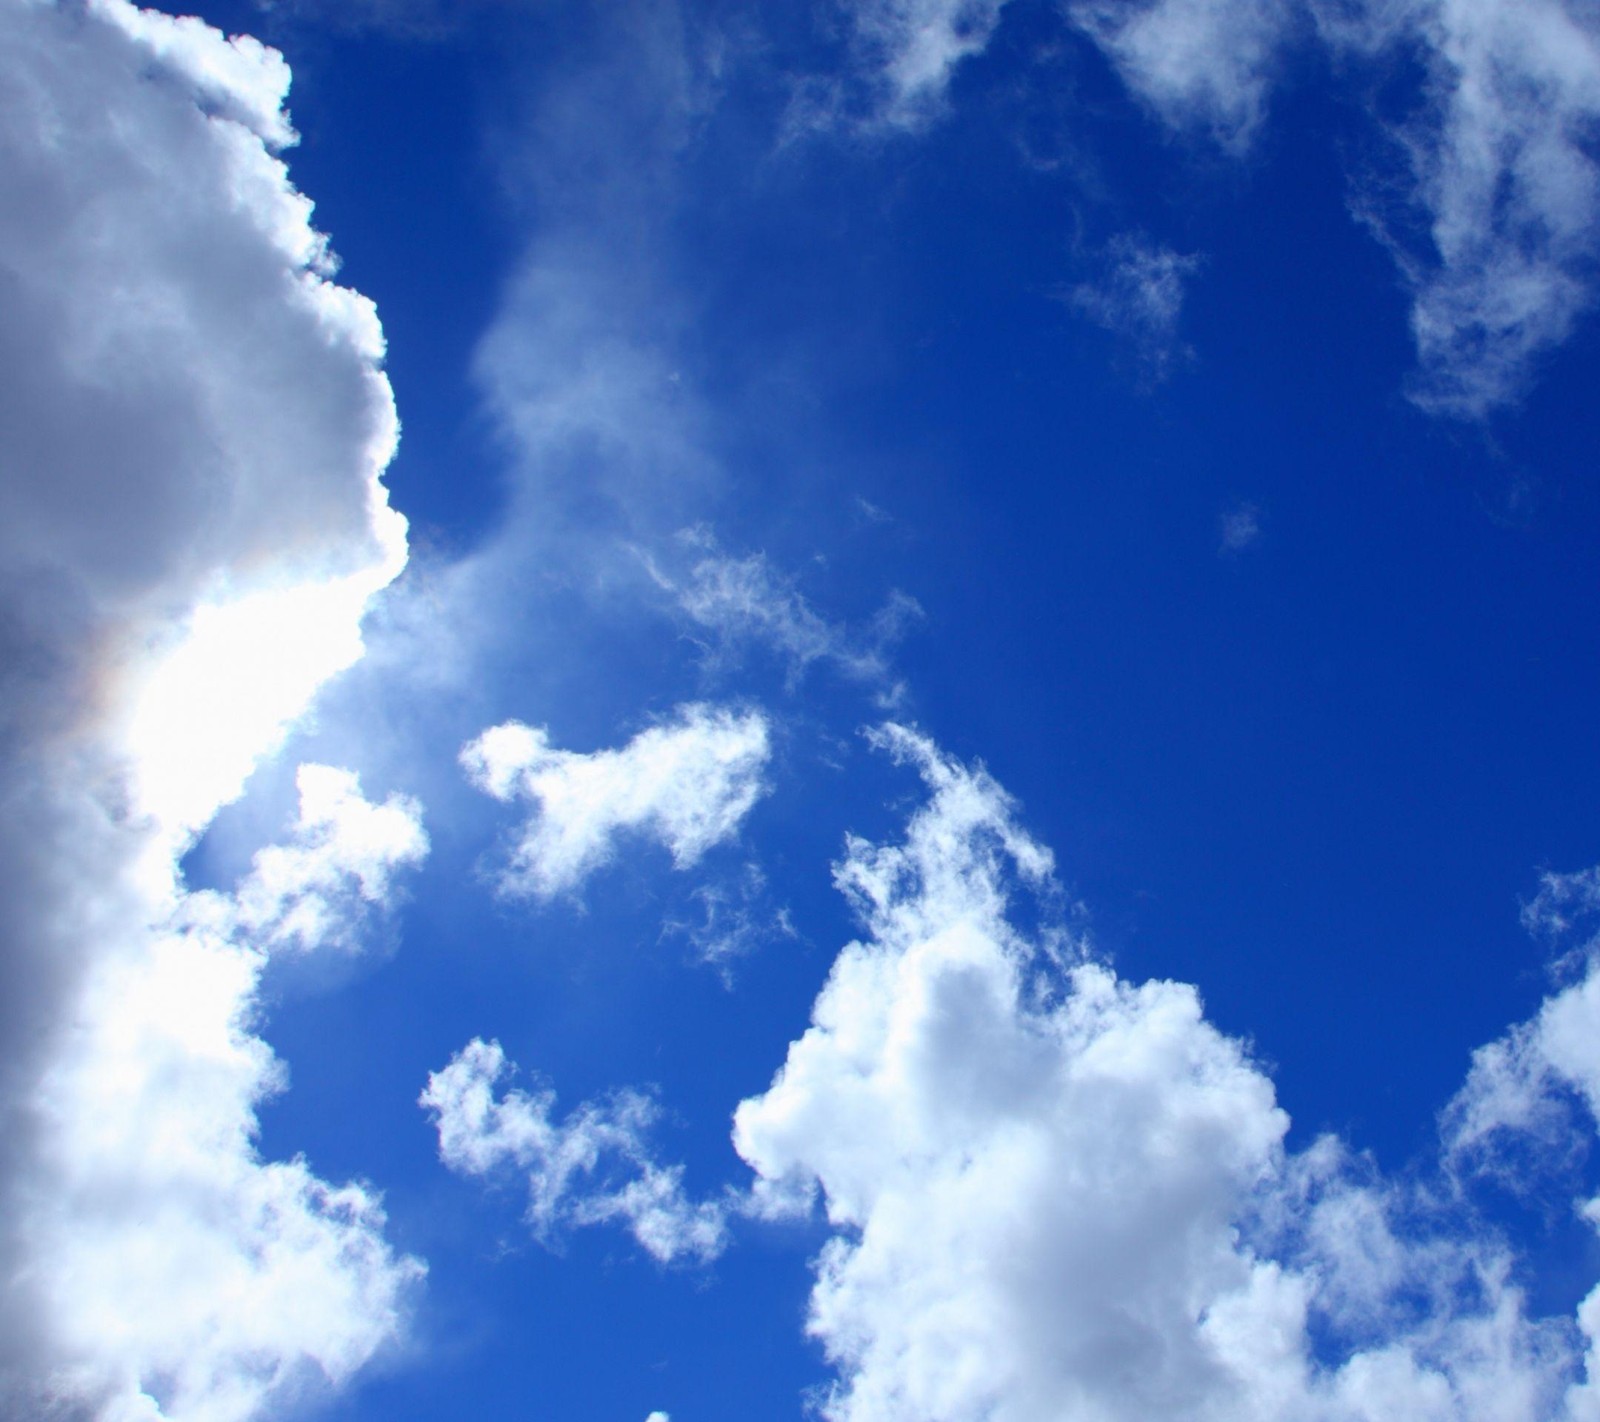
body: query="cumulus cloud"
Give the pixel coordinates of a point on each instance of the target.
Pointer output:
(308, 893)
(1531, 1082)
(686, 784)
(1139, 298)
(195, 419)
(593, 1167)
(1053, 1192)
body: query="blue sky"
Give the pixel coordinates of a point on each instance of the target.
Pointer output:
(948, 775)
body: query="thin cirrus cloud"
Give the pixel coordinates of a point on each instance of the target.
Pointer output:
(594, 1167)
(687, 784)
(195, 421)
(1238, 528)
(1138, 297)
(1487, 198)
(1053, 1192)
(748, 602)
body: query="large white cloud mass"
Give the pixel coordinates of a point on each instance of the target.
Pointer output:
(687, 784)
(193, 422)
(1054, 1193)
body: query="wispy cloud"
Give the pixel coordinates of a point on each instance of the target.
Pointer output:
(1491, 203)
(1206, 64)
(1493, 211)
(1238, 528)
(1138, 297)
(1504, 178)
(747, 602)
(737, 916)
(914, 46)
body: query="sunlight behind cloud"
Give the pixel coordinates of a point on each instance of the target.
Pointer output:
(207, 710)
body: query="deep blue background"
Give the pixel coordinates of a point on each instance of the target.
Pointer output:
(1316, 776)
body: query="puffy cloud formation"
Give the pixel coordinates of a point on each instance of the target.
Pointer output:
(1528, 1084)
(306, 894)
(1057, 1193)
(194, 419)
(686, 784)
(594, 1167)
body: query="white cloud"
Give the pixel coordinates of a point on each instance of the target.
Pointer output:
(195, 420)
(1527, 1083)
(182, 1270)
(1494, 214)
(1197, 63)
(914, 46)
(1508, 184)
(309, 894)
(594, 1167)
(687, 784)
(1139, 297)
(1056, 1193)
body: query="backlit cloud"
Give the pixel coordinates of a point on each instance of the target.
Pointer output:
(179, 1268)
(195, 420)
